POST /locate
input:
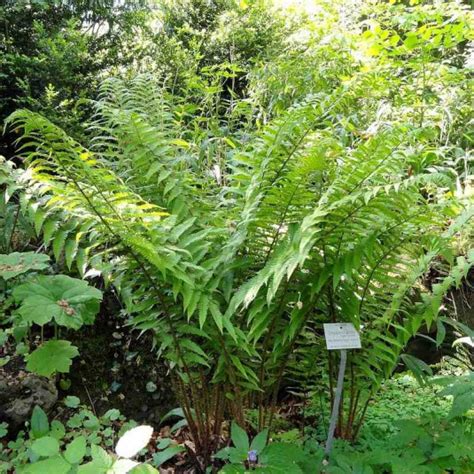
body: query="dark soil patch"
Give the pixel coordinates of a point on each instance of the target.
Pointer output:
(115, 369)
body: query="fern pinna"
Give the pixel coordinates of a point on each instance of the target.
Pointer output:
(234, 277)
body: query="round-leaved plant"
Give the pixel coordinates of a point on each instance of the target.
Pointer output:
(68, 301)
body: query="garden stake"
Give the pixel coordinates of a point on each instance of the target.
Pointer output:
(337, 401)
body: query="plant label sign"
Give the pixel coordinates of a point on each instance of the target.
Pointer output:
(341, 336)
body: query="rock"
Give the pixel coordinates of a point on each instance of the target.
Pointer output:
(19, 395)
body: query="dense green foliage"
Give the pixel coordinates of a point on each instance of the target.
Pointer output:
(55, 447)
(239, 178)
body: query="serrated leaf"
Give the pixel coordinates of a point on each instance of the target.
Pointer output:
(58, 243)
(38, 221)
(52, 356)
(69, 301)
(100, 457)
(70, 249)
(48, 230)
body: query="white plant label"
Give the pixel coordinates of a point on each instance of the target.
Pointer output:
(341, 336)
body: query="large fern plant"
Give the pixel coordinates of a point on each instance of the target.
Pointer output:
(234, 264)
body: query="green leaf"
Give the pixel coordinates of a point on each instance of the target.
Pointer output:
(233, 469)
(92, 422)
(71, 401)
(38, 221)
(165, 455)
(164, 443)
(69, 301)
(440, 333)
(46, 446)
(3, 429)
(56, 465)
(411, 41)
(144, 469)
(112, 414)
(260, 441)
(70, 250)
(462, 404)
(48, 230)
(420, 369)
(93, 467)
(16, 263)
(239, 437)
(76, 450)
(283, 456)
(58, 243)
(178, 412)
(52, 356)
(179, 424)
(57, 430)
(100, 457)
(39, 423)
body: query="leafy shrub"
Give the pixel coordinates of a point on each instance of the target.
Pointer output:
(43, 299)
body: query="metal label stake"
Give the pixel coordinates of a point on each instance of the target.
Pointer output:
(339, 336)
(337, 402)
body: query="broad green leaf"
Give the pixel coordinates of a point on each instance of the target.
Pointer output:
(93, 467)
(69, 301)
(283, 456)
(53, 356)
(76, 450)
(462, 404)
(239, 437)
(179, 424)
(56, 465)
(16, 263)
(46, 446)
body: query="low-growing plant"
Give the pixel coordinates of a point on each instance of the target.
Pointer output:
(76, 446)
(59, 300)
(258, 456)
